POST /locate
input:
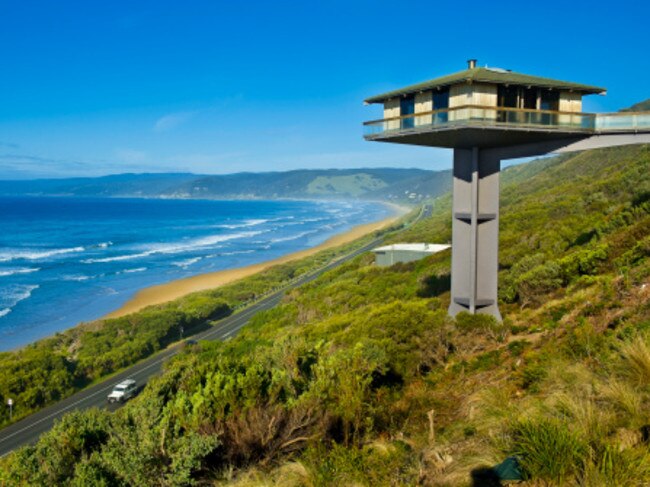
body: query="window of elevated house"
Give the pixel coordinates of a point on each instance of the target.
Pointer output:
(508, 96)
(407, 107)
(440, 99)
(529, 98)
(550, 100)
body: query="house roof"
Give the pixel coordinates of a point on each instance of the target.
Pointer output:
(415, 247)
(487, 75)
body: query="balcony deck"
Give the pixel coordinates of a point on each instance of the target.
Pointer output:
(481, 126)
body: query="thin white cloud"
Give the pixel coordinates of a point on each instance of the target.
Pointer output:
(172, 121)
(131, 156)
(28, 166)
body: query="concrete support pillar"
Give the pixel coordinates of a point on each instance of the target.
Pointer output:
(475, 233)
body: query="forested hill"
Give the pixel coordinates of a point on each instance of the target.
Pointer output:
(642, 106)
(385, 184)
(360, 378)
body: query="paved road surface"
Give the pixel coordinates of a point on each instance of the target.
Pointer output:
(30, 428)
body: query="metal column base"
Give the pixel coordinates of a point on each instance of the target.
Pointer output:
(475, 233)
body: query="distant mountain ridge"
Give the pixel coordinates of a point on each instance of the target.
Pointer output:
(642, 106)
(382, 184)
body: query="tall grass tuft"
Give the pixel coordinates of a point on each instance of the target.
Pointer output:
(636, 360)
(587, 419)
(613, 467)
(626, 400)
(548, 450)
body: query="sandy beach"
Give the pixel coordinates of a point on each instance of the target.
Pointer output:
(181, 287)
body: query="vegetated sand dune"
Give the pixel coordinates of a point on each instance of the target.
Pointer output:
(163, 293)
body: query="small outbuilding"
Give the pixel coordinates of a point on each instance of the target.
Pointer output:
(392, 254)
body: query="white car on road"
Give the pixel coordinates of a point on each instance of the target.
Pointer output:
(123, 391)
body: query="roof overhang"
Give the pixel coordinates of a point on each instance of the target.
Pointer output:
(489, 76)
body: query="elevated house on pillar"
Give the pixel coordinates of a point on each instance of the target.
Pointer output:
(487, 115)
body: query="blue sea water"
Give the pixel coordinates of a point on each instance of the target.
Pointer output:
(67, 260)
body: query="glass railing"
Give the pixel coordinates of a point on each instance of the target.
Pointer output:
(471, 115)
(626, 121)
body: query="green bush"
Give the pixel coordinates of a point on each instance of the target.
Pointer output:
(517, 347)
(584, 261)
(539, 281)
(478, 323)
(532, 375)
(584, 341)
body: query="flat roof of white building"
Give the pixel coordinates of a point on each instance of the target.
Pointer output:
(414, 247)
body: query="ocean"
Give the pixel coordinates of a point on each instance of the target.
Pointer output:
(68, 260)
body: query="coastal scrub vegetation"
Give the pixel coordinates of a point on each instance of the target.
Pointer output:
(53, 368)
(360, 378)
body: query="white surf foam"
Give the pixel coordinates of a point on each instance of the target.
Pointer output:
(23, 270)
(78, 278)
(186, 263)
(14, 295)
(234, 252)
(176, 248)
(244, 224)
(293, 237)
(36, 254)
(131, 271)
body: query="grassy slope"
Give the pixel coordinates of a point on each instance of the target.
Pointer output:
(360, 376)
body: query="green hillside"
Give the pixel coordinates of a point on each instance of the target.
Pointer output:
(642, 106)
(360, 378)
(353, 185)
(399, 185)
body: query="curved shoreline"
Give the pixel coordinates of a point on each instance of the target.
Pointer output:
(178, 288)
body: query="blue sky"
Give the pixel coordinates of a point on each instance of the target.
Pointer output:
(91, 88)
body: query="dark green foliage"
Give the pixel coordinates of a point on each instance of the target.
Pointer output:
(434, 285)
(485, 324)
(52, 461)
(517, 347)
(532, 374)
(485, 361)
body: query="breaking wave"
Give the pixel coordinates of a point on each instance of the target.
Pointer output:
(23, 270)
(176, 248)
(14, 295)
(294, 237)
(187, 263)
(36, 254)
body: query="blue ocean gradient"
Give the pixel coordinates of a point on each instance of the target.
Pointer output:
(68, 260)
